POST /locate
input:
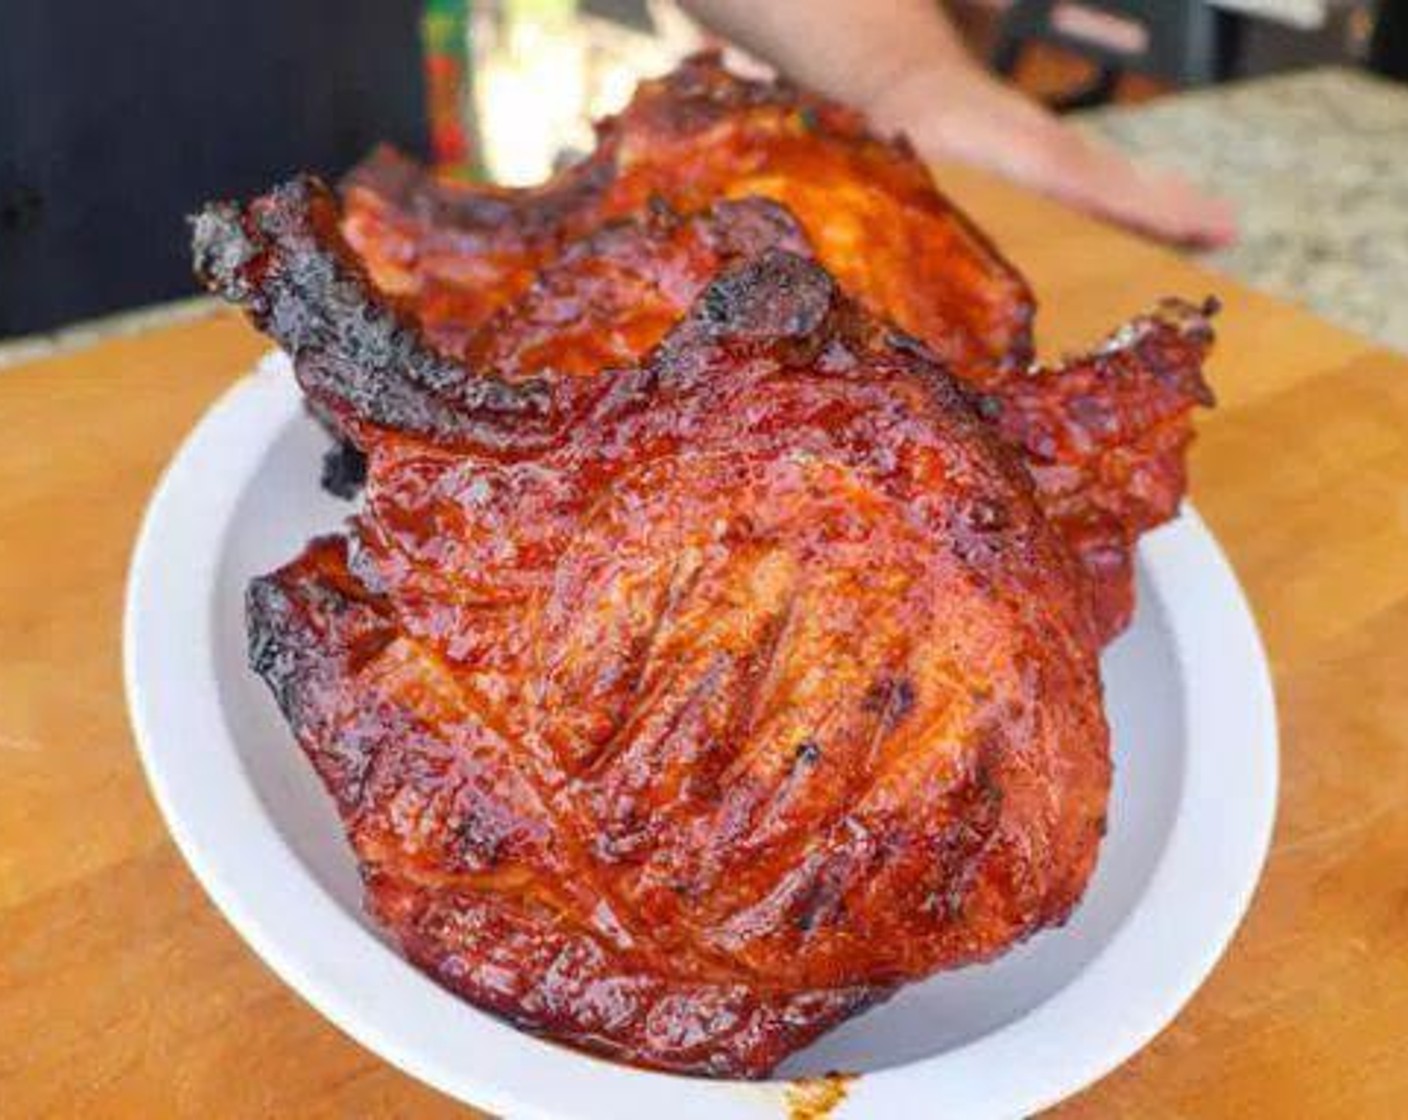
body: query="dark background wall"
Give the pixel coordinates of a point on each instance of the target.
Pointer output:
(117, 118)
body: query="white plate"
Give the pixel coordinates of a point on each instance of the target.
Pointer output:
(1188, 695)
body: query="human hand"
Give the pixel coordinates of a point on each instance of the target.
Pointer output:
(964, 113)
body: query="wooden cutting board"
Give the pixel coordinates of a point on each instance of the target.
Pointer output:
(124, 994)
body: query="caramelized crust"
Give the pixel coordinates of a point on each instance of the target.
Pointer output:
(681, 712)
(693, 137)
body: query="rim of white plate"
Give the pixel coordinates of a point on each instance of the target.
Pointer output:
(1200, 888)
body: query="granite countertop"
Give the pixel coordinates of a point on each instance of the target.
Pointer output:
(1316, 161)
(1317, 164)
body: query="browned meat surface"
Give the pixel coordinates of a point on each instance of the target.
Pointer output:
(715, 646)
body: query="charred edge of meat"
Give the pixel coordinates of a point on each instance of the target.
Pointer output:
(274, 653)
(778, 304)
(779, 296)
(344, 465)
(344, 470)
(1165, 348)
(744, 227)
(285, 646)
(1174, 323)
(310, 625)
(283, 259)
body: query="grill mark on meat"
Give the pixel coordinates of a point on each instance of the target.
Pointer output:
(599, 962)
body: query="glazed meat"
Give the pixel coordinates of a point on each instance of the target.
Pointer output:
(1105, 438)
(593, 268)
(610, 298)
(700, 134)
(683, 708)
(715, 646)
(1104, 435)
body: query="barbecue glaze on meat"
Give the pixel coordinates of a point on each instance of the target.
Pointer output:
(691, 138)
(478, 266)
(707, 658)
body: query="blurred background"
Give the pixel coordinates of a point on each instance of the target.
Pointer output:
(117, 119)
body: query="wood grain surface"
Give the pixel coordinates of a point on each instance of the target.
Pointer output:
(124, 994)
